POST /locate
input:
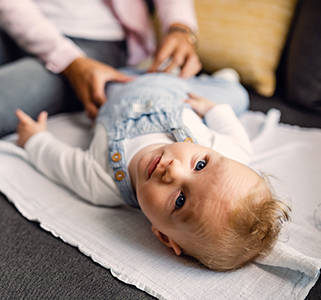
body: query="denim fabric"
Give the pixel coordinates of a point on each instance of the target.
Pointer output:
(153, 103)
(26, 84)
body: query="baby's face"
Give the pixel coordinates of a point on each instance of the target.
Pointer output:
(182, 186)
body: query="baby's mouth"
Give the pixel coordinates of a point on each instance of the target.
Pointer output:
(152, 166)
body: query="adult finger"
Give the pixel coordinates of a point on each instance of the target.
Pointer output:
(121, 77)
(91, 110)
(85, 98)
(165, 52)
(178, 59)
(84, 94)
(191, 67)
(98, 95)
(99, 83)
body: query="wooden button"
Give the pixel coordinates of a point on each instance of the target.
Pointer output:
(120, 175)
(116, 156)
(188, 140)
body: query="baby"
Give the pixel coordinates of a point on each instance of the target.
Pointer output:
(179, 157)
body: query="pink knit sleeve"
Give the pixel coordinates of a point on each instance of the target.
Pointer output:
(176, 11)
(26, 24)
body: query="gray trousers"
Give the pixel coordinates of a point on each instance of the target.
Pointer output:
(26, 84)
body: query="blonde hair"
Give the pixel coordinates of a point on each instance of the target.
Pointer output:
(253, 229)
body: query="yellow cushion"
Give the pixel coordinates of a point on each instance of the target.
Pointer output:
(247, 35)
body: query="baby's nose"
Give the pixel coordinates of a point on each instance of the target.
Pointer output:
(173, 172)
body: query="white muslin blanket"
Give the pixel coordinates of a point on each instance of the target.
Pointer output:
(120, 239)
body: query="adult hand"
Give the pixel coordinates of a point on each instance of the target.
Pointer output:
(199, 104)
(88, 78)
(181, 52)
(27, 127)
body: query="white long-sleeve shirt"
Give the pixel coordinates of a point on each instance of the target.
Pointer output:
(88, 174)
(87, 19)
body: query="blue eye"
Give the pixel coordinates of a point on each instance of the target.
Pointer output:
(180, 201)
(200, 165)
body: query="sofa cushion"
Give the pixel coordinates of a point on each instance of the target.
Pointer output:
(303, 65)
(247, 35)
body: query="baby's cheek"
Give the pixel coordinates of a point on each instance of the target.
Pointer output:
(149, 202)
(145, 198)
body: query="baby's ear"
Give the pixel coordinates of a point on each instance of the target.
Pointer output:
(167, 241)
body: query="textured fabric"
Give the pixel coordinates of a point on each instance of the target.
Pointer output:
(120, 239)
(36, 265)
(246, 35)
(304, 61)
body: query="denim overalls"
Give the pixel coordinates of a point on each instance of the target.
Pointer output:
(152, 103)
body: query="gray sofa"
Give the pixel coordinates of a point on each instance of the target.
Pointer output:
(36, 265)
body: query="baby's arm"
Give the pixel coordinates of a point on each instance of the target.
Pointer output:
(232, 139)
(230, 136)
(73, 168)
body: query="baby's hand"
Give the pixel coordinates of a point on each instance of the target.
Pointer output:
(199, 104)
(28, 127)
